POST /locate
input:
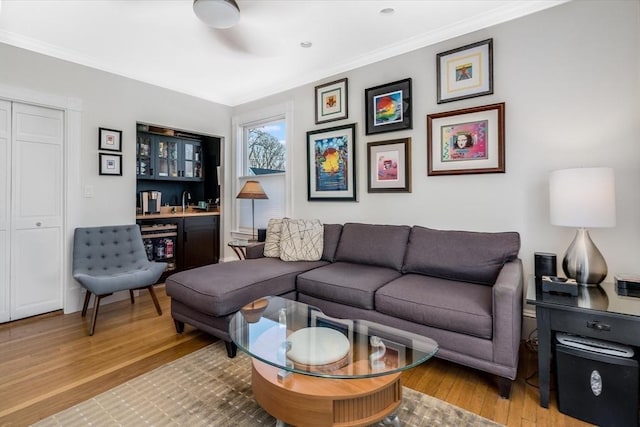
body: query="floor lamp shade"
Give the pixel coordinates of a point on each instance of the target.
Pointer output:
(583, 198)
(252, 190)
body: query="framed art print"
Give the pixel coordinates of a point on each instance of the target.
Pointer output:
(109, 139)
(332, 101)
(465, 72)
(110, 164)
(331, 164)
(466, 141)
(388, 107)
(389, 166)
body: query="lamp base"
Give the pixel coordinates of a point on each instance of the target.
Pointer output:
(583, 261)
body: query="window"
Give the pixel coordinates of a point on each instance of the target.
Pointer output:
(266, 148)
(261, 153)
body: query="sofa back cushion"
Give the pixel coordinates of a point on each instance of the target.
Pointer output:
(301, 240)
(460, 255)
(381, 245)
(332, 234)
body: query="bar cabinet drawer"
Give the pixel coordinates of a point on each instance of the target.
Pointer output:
(596, 326)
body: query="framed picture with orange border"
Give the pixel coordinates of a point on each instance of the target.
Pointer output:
(332, 101)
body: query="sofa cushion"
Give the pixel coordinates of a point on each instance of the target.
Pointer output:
(460, 255)
(455, 306)
(346, 283)
(272, 239)
(301, 240)
(332, 234)
(221, 289)
(381, 245)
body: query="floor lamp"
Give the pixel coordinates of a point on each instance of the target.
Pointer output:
(252, 190)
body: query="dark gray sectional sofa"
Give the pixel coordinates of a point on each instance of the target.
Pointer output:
(463, 289)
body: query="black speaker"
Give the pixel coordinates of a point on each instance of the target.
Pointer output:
(545, 264)
(262, 234)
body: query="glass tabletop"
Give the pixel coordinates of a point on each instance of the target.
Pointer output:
(603, 297)
(300, 338)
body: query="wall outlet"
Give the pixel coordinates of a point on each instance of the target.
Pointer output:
(87, 191)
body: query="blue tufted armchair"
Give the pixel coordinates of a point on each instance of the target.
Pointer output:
(110, 259)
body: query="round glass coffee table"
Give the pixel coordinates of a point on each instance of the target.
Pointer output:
(314, 370)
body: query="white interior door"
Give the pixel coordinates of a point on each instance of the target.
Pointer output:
(36, 210)
(5, 175)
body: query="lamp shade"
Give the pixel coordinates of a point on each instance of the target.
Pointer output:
(252, 190)
(217, 13)
(582, 197)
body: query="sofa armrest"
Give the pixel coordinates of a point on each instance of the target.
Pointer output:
(507, 315)
(255, 251)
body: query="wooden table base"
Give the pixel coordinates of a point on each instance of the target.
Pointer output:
(303, 400)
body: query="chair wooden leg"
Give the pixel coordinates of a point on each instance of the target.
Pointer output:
(96, 305)
(155, 300)
(87, 297)
(131, 296)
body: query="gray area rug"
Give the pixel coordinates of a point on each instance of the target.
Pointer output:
(206, 388)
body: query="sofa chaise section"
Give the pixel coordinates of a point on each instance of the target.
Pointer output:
(207, 297)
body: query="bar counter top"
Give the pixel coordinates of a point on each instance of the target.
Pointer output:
(178, 214)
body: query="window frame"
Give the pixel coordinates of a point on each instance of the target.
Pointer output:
(240, 124)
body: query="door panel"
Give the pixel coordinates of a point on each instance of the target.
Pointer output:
(39, 178)
(37, 272)
(36, 214)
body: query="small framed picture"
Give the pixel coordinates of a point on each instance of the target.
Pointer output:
(110, 164)
(109, 139)
(466, 141)
(331, 164)
(389, 166)
(332, 101)
(465, 72)
(388, 107)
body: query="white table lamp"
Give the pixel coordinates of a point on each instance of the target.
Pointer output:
(583, 198)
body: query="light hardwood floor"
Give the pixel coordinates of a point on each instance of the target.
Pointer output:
(48, 363)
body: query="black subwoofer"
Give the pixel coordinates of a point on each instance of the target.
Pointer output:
(545, 264)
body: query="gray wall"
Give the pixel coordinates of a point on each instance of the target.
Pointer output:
(569, 77)
(112, 102)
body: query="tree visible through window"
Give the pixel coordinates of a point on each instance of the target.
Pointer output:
(266, 149)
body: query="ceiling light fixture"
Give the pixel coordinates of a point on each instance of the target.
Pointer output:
(217, 13)
(306, 44)
(387, 11)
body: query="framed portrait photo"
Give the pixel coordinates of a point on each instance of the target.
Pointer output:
(466, 141)
(389, 166)
(109, 139)
(465, 72)
(388, 107)
(331, 164)
(332, 101)
(110, 164)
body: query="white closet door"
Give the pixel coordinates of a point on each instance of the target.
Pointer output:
(5, 188)
(36, 210)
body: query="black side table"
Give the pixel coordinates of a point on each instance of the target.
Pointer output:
(597, 312)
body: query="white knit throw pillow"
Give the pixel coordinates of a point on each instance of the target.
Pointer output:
(301, 240)
(272, 239)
